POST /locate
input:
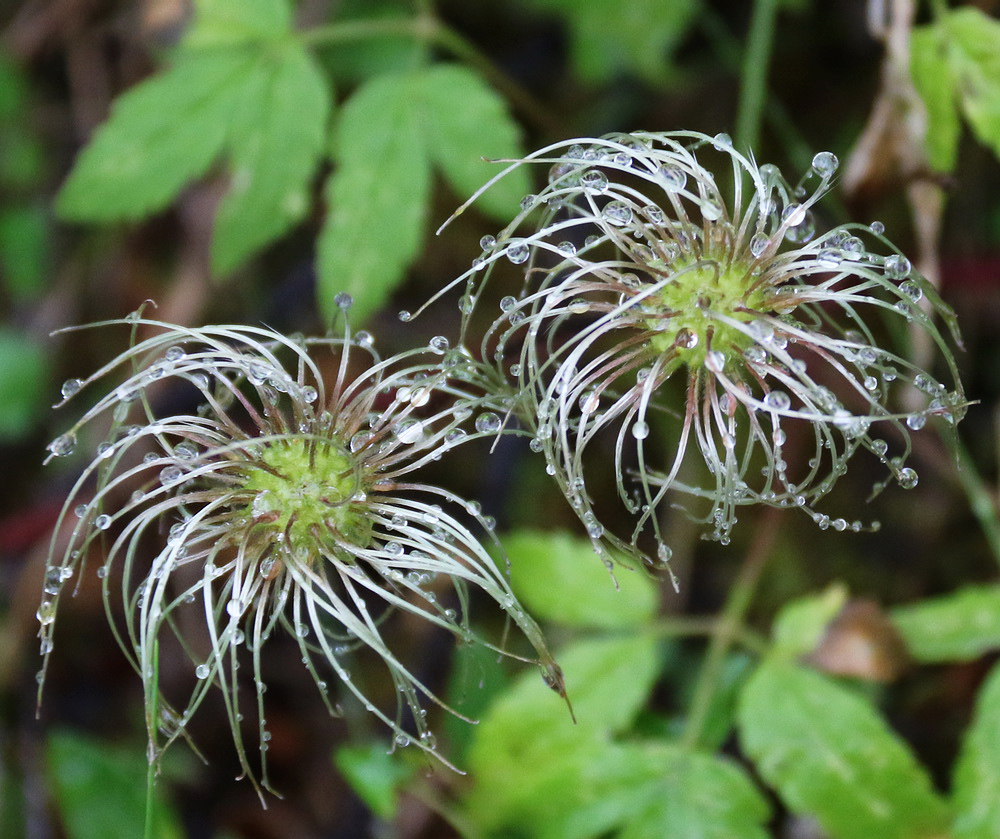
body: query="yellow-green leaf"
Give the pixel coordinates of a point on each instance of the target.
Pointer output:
(974, 59)
(377, 196)
(932, 79)
(466, 124)
(829, 754)
(957, 627)
(558, 578)
(161, 134)
(276, 138)
(977, 774)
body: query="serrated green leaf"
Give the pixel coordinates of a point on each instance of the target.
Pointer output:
(558, 578)
(608, 39)
(800, 625)
(219, 22)
(957, 627)
(377, 197)
(828, 754)
(374, 774)
(974, 58)
(932, 79)
(533, 766)
(276, 139)
(100, 790)
(976, 792)
(161, 134)
(465, 121)
(24, 377)
(696, 796)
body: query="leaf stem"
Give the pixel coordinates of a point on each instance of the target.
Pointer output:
(729, 626)
(756, 59)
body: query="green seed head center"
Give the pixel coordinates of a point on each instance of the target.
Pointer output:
(692, 301)
(309, 490)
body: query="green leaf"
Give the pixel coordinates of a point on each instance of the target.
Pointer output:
(533, 766)
(828, 753)
(161, 134)
(465, 121)
(377, 196)
(276, 136)
(696, 796)
(932, 79)
(608, 39)
(976, 792)
(558, 578)
(101, 792)
(374, 774)
(24, 378)
(24, 250)
(974, 58)
(800, 626)
(957, 627)
(220, 22)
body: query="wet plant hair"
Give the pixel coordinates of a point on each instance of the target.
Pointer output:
(678, 298)
(290, 499)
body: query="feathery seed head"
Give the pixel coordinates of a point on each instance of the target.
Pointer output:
(288, 499)
(668, 303)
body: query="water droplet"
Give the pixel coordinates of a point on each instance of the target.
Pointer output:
(911, 290)
(640, 430)
(170, 474)
(674, 178)
(409, 431)
(402, 741)
(567, 248)
(825, 163)
(528, 201)
(877, 228)
(63, 445)
(309, 394)
(758, 244)
(202, 671)
(102, 522)
(488, 423)
(880, 447)
(793, 215)
(405, 316)
(897, 266)
(617, 213)
(488, 242)
(722, 141)
(594, 180)
(778, 400)
(686, 339)
(916, 421)
(439, 344)
(715, 360)
(46, 613)
(186, 451)
(343, 301)
(53, 581)
(907, 478)
(70, 387)
(518, 251)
